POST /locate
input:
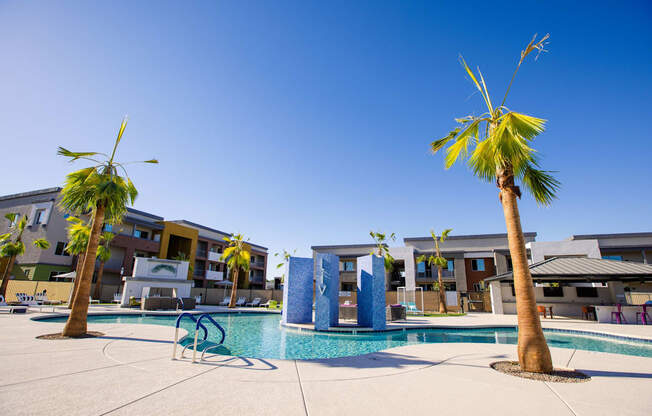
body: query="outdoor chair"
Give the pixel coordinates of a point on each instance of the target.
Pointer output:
(117, 297)
(254, 303)
(241, 301)
(271, 304)
(92, 301)
(643, 315)
(11, 308)
(618, 315)
(588, 311)
(225, 302)
(412, 308)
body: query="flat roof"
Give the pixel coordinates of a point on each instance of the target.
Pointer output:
(568, 268)
(344, 246)
(468, 237)
(31, 193)
(145, 214)
(613, 235)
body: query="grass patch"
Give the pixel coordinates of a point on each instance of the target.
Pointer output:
(442, 315)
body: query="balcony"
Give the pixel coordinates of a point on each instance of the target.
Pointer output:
(256, 279)
(213, 275)
(258, 264)
(201, 253)
(212, 256)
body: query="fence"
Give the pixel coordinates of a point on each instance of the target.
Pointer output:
(61, 291)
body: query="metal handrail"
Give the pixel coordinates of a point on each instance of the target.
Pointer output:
(197, 326)
(176, 333)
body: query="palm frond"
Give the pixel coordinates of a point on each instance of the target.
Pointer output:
(540, 183)
(41, 243)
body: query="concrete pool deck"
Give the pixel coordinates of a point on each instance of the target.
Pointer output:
(129, 372)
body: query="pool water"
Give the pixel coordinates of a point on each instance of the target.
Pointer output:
(261, 336)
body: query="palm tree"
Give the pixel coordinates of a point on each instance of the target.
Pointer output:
(12, 248)
(78, 232)
(383, 251)
(286, 256)
(101, 190)
(237, 256)
(103, 255)
(500, 142)
(440, 262)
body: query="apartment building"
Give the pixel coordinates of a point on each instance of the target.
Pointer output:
(140, 234)
(473, 258)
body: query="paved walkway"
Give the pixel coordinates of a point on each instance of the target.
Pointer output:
(129, 372)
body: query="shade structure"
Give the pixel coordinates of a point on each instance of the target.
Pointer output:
(69, 275)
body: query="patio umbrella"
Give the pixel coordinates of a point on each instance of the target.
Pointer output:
(225, 283)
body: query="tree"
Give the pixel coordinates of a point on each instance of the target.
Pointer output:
(497, 147)
(103, 255)
(238, 256)
(78, 232)
(440, 262)
(101, 190)
(381, 248)
(12, 246)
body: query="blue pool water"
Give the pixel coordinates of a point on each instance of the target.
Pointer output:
(261, 336)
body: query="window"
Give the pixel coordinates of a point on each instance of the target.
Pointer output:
(477, 265)
(553, 291)
(450, 266)
(60, 250)
(56, 279)
(141, 234)
(253, 259)
(27, 272)
(478, 286)
(348, 287)
(614, 257)
(40, 216)
(108, 228)
(347, 266)
(421, 269)
(587, 292)
(509, 264)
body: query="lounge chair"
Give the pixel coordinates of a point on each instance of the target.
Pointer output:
(11, 308)
(91, 300)
(412, 308)
(254, 303)
(241, 301)
(117, 297)
(225, 302)
(269, 304)
(26, 299)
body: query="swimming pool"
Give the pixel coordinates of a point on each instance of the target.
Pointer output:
(261, 336)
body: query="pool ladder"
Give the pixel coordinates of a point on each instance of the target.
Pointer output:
(196, 343)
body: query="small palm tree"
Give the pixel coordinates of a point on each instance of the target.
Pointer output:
(237, 256)
(381, 248)
(440, 262)
(78, 232)
(286, 256)
(497, 145)
(12, 246)
(101, 190)
(103, 255)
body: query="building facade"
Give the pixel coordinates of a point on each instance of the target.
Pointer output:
(140, 234)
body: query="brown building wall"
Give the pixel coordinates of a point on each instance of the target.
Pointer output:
(130, 246)
(477, 276)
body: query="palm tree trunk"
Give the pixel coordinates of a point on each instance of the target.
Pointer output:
(533, 352)
(5, 276)
(98, 284)
(75, 283)
(76, 325)
(234, 288)
(442, 292)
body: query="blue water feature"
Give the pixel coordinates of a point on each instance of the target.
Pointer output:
(261, 336)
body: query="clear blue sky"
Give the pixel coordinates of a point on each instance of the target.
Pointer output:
(302, 123)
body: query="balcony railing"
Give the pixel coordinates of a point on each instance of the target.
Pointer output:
(201, 253)
(258, 264)
(256, 279)
(212, 256)
(213, 275)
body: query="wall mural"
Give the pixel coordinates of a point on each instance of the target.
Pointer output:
(162, 268)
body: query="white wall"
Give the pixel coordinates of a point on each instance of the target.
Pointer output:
(160, 269)
(541, 249)
(568, 305)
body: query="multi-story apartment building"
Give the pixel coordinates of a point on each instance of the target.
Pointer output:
(473, 258)
(140, 234)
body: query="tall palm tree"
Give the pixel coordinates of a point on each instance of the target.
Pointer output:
(286, 256)
(500, 142)
(101, 190)
(103, 255)
(78, 233)
(440, 262)
(11, 248)
(238, 256)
